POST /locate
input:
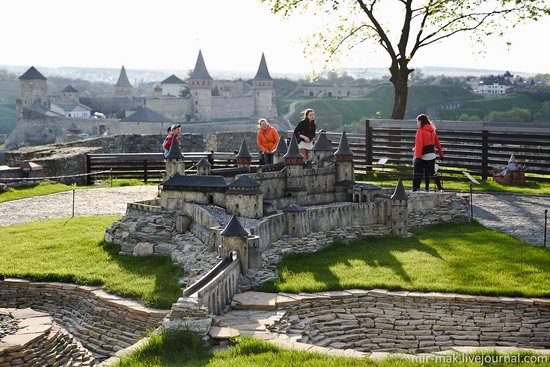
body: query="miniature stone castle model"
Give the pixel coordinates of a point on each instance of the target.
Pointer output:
(511, 174)
(247, 209)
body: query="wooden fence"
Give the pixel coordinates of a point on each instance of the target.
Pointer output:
(473, 147)
(469, 146)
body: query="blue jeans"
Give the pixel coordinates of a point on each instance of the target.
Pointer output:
(268, 158)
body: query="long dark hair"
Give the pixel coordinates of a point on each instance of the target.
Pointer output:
(423, 120)
(305, 113)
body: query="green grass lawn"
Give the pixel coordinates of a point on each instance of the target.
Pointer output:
(175, 349)
(464, 258)
(73, 251)
(530, 187)
(46, 188)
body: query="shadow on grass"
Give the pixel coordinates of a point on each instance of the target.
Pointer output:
(166, 274)
(466, 258)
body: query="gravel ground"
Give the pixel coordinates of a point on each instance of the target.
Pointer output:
(516, 215)
(101, 201)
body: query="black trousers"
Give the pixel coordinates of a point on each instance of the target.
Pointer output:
(425, 169)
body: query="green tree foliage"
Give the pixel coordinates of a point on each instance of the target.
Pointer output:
(466, 117)
(423, 22)
(514, 115)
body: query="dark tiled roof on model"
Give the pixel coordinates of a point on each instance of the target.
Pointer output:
(234, 228)
(293, 150)
(322, 143)
(197, 183)
(243, 151)
(343, 147)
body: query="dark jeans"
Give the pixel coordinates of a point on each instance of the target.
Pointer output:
(268, 158)
(423, 168)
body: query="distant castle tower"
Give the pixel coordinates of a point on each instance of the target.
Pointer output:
(123, 87)
(263, 91)
(70, 94)
(200, 88)
(33, 90)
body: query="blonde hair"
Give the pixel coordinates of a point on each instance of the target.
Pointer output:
(262, 120)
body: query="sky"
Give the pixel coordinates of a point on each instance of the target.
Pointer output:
(167, 34)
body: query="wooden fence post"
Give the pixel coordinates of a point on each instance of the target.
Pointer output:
(145, 171)
(368, 145)
(484, 154)
(88, 170)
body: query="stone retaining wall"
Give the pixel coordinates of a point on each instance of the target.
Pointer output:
(102, 322)
(230, 142)
(379, 320)
(40, 342)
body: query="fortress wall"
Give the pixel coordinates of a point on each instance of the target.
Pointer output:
(177, 109)
(223, 107)
(224, 142)
(130, 143)
(270, 230)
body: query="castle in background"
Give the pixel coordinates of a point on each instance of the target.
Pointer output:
(200, 99)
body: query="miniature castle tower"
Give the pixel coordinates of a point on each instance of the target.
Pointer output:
(174, 161)
(279, 153)
(244, 198)
(70, 94)
(344, 161)
(235, 238)
(33, 90)
(294, 163)
(123, 88)
(297, 222)
(203, 167)
(399, 211)
(263, 90)
(322, 149)
(243, 157)
(200, 88)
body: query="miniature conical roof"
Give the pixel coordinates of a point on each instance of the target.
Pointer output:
(243, 151)
(145, 114)
(32, 74)
(343, 147)
(175, 151)
(293, 150)
(234, 228)
(200, 72)
(203, 162)
(263, 73)
(322, 143)
(70, 89)
(399, 193)
(244, 181)
(281, 146)
(512, 159)
(123, 79)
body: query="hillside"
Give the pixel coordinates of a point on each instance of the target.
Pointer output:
(377, 103)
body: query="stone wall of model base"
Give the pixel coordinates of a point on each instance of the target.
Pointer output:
(40, 341)
(414, 322)
(102, 322)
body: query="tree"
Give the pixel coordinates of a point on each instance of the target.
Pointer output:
(423, 22)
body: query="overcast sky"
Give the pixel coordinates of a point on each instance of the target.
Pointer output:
(167, 34)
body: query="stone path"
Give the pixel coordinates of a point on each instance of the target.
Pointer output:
(516, 215)
(101, 201)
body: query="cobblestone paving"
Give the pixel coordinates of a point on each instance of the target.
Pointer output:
(519, 216)
(101, 201)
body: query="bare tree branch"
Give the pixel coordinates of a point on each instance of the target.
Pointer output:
(421, 30)
(405, 31)
(383, 36)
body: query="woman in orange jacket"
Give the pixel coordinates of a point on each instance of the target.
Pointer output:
(268, 138)
(425, 143)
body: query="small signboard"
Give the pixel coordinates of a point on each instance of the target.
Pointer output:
(470, 177)
(383, 161)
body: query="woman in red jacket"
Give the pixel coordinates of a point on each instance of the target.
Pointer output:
(426, 141)
(268, 138)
